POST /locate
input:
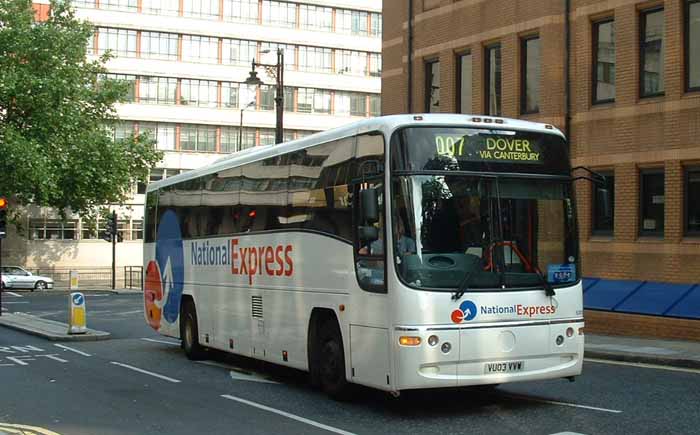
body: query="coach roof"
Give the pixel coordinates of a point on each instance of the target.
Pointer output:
(385, 124)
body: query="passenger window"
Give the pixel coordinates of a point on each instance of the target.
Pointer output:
(370, 236)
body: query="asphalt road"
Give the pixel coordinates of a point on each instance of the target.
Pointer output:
(141, 383)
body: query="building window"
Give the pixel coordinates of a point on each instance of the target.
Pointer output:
(202, 93)
(238, 52)
(163, 134)
(651, 53)
(305, 100)
(201, 8)
(136, 230)
(352, 22)
(530, 77)
(128, 80)
(229, 139)
(375, 25)
(119, 5)
(161, 7)
(241, 11)
(358, 104)
(316, 18)
(267, 97)
(197, 138)
(464, 83)
(692, 201)
(200, 49)
(375, 65)
(604, 61)
(493, 80)
(267, 136)
(52, 229)
(350, 62)
(603, 224)
(322, 101)
(315, 59)
(157, 45)
(121, 42)
(432, 86)
(121, 130)
(692, 45)
(157, 90)
(288, 99)
(229, 95)
(271, 57)
(652, 203)
(375, 105)
(279, 14)
(84, 3)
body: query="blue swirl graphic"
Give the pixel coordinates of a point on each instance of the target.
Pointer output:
(468, 308)
(169, 247)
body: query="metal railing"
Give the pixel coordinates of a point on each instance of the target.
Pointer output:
(94, 277)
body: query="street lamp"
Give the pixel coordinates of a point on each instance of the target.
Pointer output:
(277, 71)
(240, 128)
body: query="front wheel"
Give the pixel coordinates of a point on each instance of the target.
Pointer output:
(189, 332)
(331, 362)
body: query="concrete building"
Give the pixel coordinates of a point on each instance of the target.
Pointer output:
(622, 79)
(186, 62)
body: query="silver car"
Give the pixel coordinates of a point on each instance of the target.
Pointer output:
(15, 277)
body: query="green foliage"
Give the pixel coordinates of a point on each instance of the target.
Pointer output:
(56, 148)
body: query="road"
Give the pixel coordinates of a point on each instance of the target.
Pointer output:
(141, 383)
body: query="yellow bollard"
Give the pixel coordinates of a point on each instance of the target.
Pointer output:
(76, 318)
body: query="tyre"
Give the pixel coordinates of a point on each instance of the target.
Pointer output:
(331, 362)
(189, 332)
(40, 285)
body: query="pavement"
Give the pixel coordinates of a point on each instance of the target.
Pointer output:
(48, 329)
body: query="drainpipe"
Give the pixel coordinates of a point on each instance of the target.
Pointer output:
(409, 94)
(567, 71)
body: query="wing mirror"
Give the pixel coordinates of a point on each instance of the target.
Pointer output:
(370, 205)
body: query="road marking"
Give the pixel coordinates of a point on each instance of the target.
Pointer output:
(55, 358)
(18, 361)
(17, 295)
(554, 402)
(18, 302)
(146, 372)
(568, 433)
(99, 295)
(153, 340)
(288, 415)
(126, 313)
(25, 430)
(72, 350)
(239, 374)
(642, 365)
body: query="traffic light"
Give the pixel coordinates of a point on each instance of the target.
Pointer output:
(3, 217)
(112, 224)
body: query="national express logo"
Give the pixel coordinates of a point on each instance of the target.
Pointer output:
(467, 311)
(165, 275)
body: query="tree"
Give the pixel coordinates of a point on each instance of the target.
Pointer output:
(56, 147)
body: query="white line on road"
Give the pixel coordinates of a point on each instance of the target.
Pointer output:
(288, 415)
(18, 302)
(17, 295)
(80, 352)
(153, 340)
(146, 372)
(554, 402)
(642, 365)
(126, 313)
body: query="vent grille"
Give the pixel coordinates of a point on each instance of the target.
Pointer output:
(257, 307)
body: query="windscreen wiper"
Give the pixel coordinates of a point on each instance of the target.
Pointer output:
(464, 284)
(548, 289)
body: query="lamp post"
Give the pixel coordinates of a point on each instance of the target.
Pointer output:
(277, 71)
(240, 127)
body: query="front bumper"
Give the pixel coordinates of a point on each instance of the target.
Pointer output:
(478, 352)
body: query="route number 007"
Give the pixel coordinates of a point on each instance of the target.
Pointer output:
(448, 146)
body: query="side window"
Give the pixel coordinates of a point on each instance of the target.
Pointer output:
(151, 221)
(370, 236)
(263, 194)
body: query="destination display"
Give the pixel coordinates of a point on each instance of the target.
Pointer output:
(470, 149)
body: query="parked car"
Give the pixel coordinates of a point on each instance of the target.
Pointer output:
(15, 277)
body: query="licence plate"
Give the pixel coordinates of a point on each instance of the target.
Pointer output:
(504, 367)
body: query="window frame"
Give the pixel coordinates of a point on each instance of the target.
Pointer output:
(428, 85)
(594, 205)
(458, 81)
(594, 71)
(640, 41)
(686, 45)
(523, 74)
(686, 172)
(487, 79)
(641, 231)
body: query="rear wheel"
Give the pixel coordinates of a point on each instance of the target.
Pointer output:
(189, 332)
(40, 285)
(331, 361)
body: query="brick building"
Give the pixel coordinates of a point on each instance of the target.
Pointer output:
(627, 93)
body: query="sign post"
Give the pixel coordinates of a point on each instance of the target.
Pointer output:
(77, 317)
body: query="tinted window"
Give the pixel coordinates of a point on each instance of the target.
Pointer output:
(652, 203)
(493, 80)
(151, 210)
(604, 61)
(601, 223)
(652, 53)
